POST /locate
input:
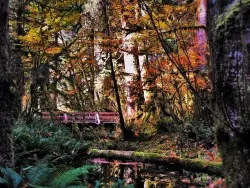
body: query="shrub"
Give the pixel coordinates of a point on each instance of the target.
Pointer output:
(166, 124)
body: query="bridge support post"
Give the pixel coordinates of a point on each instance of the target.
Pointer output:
(97, 118)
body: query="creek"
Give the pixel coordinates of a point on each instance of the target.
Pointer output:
(148, 175)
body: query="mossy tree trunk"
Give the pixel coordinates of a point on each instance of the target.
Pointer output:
(6, 96)
(230, 46)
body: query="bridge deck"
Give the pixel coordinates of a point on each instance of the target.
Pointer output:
(82, 117)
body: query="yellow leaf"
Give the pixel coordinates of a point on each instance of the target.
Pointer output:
(53, 50)
(32, 36)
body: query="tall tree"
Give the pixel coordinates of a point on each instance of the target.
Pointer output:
(130, 21)
(106, 23)
(49, 32)
(230, 41)
(6, 92)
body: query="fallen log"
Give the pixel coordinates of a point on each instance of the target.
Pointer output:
(194, 165)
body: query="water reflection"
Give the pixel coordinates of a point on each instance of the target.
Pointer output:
(143, 175)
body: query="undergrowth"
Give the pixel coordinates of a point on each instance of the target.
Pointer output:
(40, 139)
(45, 176)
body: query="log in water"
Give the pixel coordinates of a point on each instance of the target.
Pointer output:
(194, 165)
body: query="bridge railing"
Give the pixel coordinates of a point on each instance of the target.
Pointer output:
(83, 117)
(109, 117)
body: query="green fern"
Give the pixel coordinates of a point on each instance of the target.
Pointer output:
(3, 182)
(42, 176)
(38, 175)
(35, 186)
(70, 176)
(10, 177)
(42, 139)
(57, 172)
(76, 186)
(62, 177)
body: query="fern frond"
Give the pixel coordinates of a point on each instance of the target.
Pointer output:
(13, 178)
(57, 172)
(3, 182)
(70, 176)
(35, 186)
(38, 174)
(77, 186)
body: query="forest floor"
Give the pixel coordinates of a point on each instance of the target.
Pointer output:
(165, 143)
(170, 144)
(43, 143)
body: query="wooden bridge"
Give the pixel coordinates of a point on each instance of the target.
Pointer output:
(82, 117)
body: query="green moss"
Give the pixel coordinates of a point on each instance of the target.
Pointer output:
(196, 165)
(230, 14)
(147, 155)
(193, 163)
(94, 151)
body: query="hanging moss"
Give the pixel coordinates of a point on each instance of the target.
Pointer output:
(228, 17)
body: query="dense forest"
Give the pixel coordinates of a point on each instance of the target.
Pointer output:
(125, 93)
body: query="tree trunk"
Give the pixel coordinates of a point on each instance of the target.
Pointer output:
(16, 59)
(125, 132)
(146, 86)
(132, 60)
(230, 36)
(139, 81)
(201, 34)
(130, 71)
(6, 96)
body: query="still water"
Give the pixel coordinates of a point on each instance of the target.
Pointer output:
(146, 175)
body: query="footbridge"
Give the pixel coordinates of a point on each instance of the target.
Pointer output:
(82, 117)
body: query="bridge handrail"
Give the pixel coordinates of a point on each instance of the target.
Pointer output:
(82, 117)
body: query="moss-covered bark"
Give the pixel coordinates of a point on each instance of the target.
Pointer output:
(194, 165)
(228, 17)
(230, 46)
